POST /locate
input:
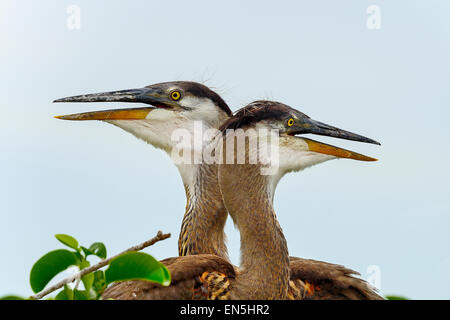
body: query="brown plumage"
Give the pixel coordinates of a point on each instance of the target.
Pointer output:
(264, 273)
(207, 277)
(202, 228)
(194, 277)
(318, 280)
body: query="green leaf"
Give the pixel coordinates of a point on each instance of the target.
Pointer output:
(137, 266)
(98, 249)
(61, 295)
(88, 280)
(396, 298)
(86, 251)
(49, 266)
(11, 297)
(79, 256)
(84, 264)
(67, 240)
(99, 281)
(65, 294)
(80, 295)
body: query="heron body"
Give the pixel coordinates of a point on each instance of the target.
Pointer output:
(204, 221)
(208, 274)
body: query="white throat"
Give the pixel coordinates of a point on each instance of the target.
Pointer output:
(168, 130)
(292, 154)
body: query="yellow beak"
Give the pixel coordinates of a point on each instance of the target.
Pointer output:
(324, 148)
(117, 114)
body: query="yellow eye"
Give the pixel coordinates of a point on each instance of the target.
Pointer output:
(175, 95)
(290, 122)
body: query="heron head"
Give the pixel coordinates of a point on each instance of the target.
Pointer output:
(168, 106)
(294, 151)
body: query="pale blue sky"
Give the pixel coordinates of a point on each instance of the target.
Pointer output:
(98, 183)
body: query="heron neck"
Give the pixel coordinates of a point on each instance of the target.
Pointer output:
(202, 228)
(264, 253)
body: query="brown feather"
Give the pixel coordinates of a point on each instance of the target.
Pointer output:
(318, 280)
(189, 281)
(309, 280)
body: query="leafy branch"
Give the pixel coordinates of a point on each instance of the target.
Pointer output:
(126, 265)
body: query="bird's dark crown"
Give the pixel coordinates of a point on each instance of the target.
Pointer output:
(258, 111)
(194, 89)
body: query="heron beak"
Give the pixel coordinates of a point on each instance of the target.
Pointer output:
(306, 125)
(115, 114)
(324, 148)
(152, 96)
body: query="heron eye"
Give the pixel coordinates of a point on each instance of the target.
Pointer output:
(290, 122)
(175, 95)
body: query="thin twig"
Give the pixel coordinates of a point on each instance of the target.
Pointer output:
(159, 236)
